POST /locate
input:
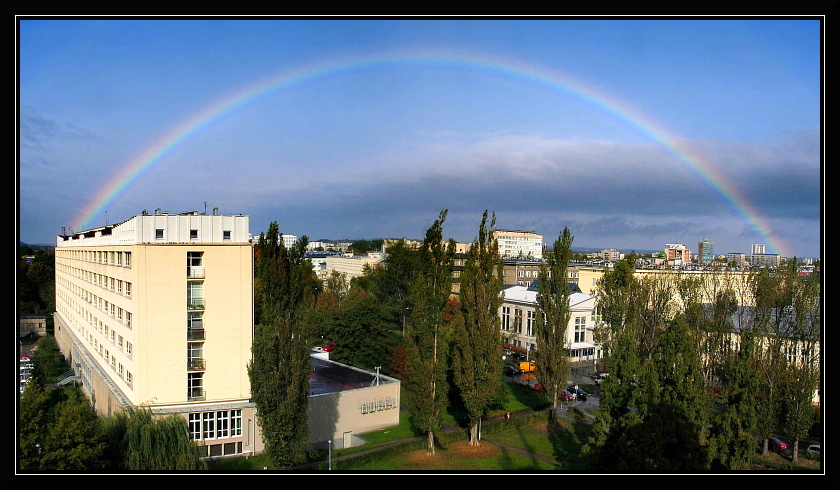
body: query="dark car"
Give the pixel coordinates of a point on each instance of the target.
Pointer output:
(777, 444)
(511, 370)
(518, 356)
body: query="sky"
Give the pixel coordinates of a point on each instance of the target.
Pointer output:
(632, 133)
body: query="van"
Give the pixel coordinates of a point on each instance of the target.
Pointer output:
(527, 367)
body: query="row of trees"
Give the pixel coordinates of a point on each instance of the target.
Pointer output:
(401, 315)
(675, 341)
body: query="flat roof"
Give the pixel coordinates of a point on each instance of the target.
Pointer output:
(333, 377)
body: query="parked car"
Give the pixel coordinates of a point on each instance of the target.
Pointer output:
(518, 356)
(328, 347)
(538, 387)
(814, 451)
(580, 393)
(567, 396)
(600, 377)
(511, 370)
(777, 444)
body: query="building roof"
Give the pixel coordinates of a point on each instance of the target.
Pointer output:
(524, 294)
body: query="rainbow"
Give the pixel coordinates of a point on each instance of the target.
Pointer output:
(680, 150)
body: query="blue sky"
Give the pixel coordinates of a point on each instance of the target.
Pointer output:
(455, 118)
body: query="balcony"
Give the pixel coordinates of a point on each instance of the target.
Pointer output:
(195, 303)
(195, 272)
(195, 333)
(196, 364)
(195, 394)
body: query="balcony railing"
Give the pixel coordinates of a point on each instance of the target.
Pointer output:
(195, 272)
(195, 364)
(195, 394)
(195, 333)
(195, 303)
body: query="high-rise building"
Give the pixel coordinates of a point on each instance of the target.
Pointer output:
(758, 249)
(677, 254)
(158, 311)
(705, 251)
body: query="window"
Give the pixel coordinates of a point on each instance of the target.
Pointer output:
(505, 318)
(209, 422)
(195, 426)
(226, 235)
(236, 423)
(517, 320)
(128, 289)
(193, 234)
(529, 327)
(128, 259)
(195, 385)
(580, 329)
(159, 234)
(128, 319)
(128, 348)
(222, 421)
(119, 258)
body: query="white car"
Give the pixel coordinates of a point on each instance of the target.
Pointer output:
(814, 451)
(600, 377)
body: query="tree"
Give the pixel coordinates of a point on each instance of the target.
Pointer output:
(553, 314)
(425, 339)
(280, 368)
(34, 404)
(74, 439)
(731, 443)
(477, 362)
(140, 441)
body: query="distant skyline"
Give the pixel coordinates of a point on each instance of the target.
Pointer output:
(631, 133)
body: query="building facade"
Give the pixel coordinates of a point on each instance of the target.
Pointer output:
(518, 322)
(519, 244)
(157, 311)
(705, 251)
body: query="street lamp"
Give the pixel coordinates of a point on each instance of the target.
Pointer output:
(329, 454)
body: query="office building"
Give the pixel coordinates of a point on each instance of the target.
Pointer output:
(157, 311)
(705, 251)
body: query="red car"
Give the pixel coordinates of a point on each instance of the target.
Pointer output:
(566, 395)
(777, 444)
(328, 347)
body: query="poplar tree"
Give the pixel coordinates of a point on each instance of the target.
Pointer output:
(33, 424)
(426, 341)
(552, 319)
(477, 359)
(280, 367)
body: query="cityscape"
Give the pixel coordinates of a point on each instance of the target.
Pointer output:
(262, 241)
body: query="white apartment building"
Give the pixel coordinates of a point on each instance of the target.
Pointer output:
(158, 311)
(518, 322)
(519, 244)
(352, 266)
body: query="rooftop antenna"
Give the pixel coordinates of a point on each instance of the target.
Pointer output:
(205, 207)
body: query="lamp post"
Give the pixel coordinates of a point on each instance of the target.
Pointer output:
(329, 454)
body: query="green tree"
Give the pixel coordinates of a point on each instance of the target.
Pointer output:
(47, 358)
(138, 440)
(280, 367)
(731, 443)
(74, 439)
(32, 430)
(477, 362)
(425, 339)
(553, 314)
(802, 372)
(362, 331)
